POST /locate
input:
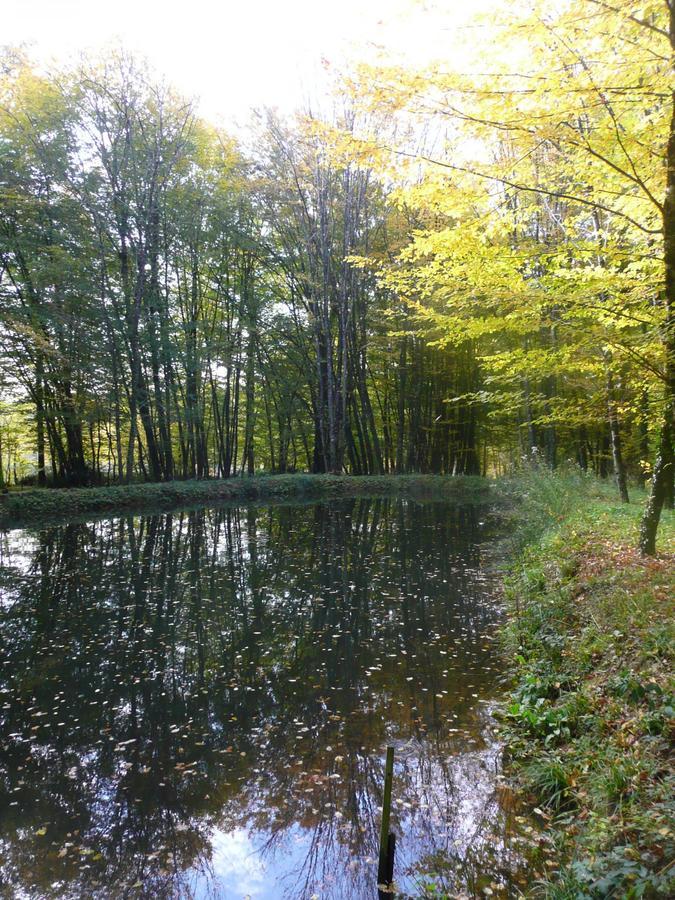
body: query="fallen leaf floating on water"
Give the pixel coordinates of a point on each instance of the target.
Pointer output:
(163, 698)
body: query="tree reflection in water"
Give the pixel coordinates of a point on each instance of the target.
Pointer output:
(197, 704)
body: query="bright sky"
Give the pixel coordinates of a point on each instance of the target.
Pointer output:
(237, 54)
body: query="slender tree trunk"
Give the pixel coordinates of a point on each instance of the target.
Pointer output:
(531, 432)
(582, 452)
(643, 432)
(248, 461)
(615, 438)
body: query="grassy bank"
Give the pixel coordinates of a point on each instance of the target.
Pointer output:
(37, 505)
(589, 723)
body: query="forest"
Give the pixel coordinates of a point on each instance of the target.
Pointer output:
(446, 273)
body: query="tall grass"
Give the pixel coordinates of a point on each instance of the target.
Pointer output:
(536, 500)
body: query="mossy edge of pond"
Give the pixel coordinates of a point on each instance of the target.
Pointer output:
(38, 505)
(587, 722)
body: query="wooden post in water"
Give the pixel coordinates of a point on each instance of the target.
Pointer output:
(385, 869)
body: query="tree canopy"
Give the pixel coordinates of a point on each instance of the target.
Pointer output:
(459, 267)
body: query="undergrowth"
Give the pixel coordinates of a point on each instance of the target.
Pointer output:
(589, 724)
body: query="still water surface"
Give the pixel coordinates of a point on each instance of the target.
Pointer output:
(198, 704)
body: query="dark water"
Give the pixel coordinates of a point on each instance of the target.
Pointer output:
(198, 704)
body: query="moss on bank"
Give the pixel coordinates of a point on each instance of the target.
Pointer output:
(589, 724)
(37, 505)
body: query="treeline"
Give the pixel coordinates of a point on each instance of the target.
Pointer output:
(174, 308)
(335, 297)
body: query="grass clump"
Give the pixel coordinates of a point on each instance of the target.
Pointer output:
(589, 723)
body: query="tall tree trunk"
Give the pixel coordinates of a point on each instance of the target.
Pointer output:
(40, 422)
(400, 424)
(663, 469)
(248, 461)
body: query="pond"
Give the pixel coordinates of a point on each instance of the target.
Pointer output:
(198, 704)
